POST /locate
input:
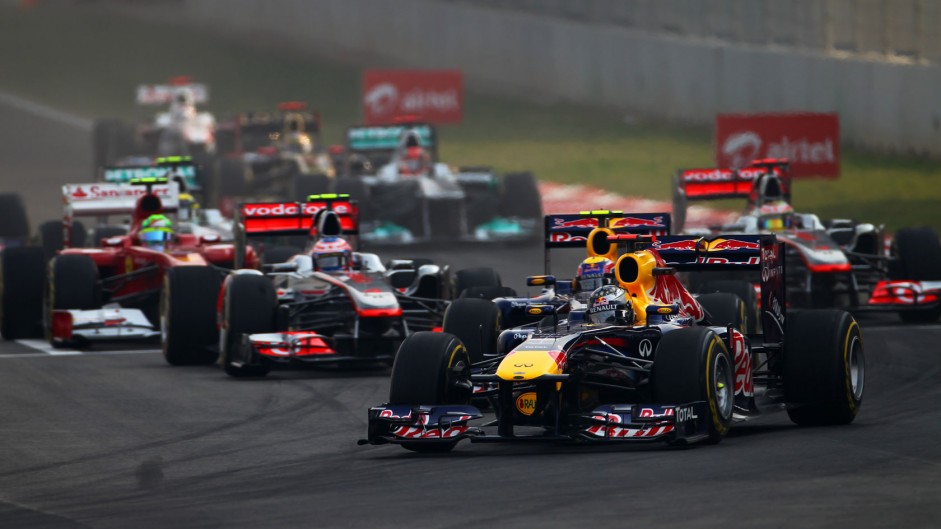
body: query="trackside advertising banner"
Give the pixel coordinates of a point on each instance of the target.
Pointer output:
(432, 96)
(810, 141)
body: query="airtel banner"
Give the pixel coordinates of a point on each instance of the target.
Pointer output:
(810, 141)
(433, 96)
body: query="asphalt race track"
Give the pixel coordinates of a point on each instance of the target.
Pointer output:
(115, 438)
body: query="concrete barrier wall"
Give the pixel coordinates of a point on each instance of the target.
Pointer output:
(885, 106)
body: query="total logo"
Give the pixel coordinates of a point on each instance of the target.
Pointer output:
(743, 147)
(289, 209)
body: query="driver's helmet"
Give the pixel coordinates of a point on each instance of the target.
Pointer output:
(594, 273)
(610, 304)
(298, 142)
(415, 161)
(360, 165)
(332, 254)
(156, 232)
(776, 215)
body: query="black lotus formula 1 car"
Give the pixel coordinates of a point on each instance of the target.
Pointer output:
(678, 370)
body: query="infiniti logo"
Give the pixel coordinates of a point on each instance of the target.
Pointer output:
(645, 347)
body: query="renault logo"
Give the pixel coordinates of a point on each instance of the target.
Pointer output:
(645, 348)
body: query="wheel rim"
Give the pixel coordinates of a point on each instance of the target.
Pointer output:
(857, 368)
(722, 385)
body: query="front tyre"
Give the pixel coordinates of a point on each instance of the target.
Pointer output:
(693, 364)
(824, 367)
(249, 306)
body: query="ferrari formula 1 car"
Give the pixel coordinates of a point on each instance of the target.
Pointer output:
(112, 292)
(327, 304)
(411, 196)
(644, 361)
(841, 263)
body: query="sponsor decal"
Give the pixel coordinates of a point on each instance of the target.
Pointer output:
(630, 222)
(561, 224)
(664, 310)
(687, 245)
(526, 403)
(566, 237)
(744, 385)
(708, 175)
(732, 244)
(809, 141)
(535, 310)
(289, 209)
(645, 348)
(78, 193)
(433, 96)
(537, 281)
(686, 414)
(420, 426)
(611, 429)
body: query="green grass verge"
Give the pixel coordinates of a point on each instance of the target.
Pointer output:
(88, 61)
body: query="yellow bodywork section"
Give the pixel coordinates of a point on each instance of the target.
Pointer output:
(528, 365)
(638, 286)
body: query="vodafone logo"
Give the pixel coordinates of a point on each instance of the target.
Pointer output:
(741, 148)
(382, 99)
(289, 209)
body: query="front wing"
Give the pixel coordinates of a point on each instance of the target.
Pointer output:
(683, 423)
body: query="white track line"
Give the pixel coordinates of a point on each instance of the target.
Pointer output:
(46, 349)
(46, 112)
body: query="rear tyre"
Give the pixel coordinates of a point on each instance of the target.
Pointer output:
(51, 237)
(693, 364)
(14, 223)
(306, 184)
(824, 367)
(249, 306)
(431, 368)
(521, 196)
(725, 309)
(489, 293)
(476, 323)
(188, 315)
(919, 259)
(745, 291)
(22, 275)
(475, 277)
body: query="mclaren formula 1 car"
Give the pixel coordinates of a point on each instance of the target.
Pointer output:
(840, 263)
(413, 197)
(327, 305)
(111, 292)
(659, 364)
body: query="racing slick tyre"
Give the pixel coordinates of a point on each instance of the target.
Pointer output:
(693, 364)
(919, 259)
(745, 291)
(431, 368)
(188, 328)
(14, 223)
(249, 307)
(824, 367)
(22, 275)
(476, 322)
(306, 184)
(72, 284)
(278, 254)
(111, 139)
(51, 237)
(475, 277)
(725, 309)
(521, 197)
(233, 175)
(488, 292)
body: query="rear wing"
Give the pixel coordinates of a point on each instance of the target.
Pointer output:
(379, 142)
(261, 219)
(158, 94)
(170, 168)
(257, 129)
(717, 184)
(735, 252)
(572, 230)
(104, 198)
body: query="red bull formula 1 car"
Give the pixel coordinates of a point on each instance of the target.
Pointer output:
(661, 367)
(841, 263)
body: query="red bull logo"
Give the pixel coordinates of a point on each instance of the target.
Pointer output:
(732, 244)
(632, 222)
(586, 223)
(687, 245)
